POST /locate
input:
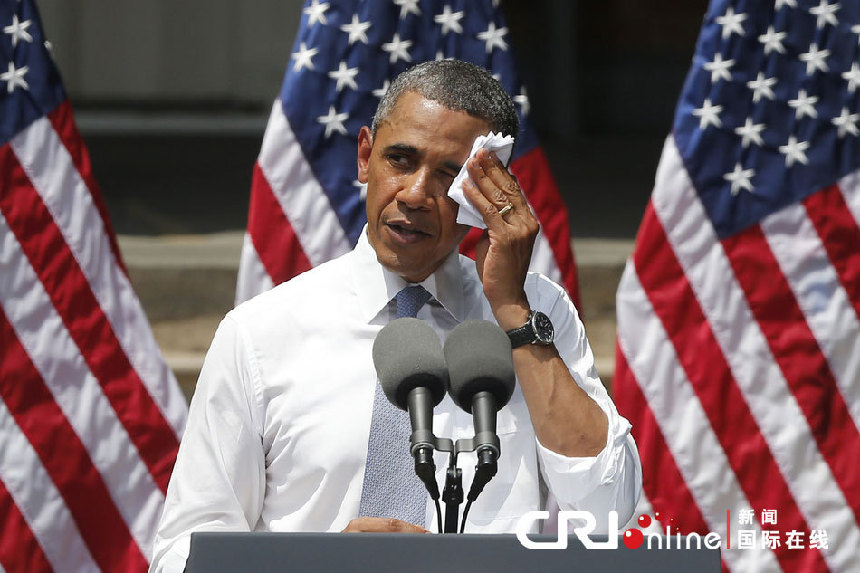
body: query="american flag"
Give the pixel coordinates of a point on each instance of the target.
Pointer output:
(90, 415)
(739, 312)
(306, 205)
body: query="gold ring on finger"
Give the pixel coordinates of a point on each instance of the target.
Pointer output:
(506, 209)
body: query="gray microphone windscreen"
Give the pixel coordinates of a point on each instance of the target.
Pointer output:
(479, 358)
(407, 354)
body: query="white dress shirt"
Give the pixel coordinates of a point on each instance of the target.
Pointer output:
(277, 432)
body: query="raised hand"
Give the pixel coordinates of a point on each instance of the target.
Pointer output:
(504, 252)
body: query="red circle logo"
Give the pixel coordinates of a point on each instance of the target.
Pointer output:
(633, 538)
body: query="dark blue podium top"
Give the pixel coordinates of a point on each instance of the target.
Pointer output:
(412, 553)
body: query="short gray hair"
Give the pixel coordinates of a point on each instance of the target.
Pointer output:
(459, 86)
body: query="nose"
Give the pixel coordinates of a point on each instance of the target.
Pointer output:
(416, 192)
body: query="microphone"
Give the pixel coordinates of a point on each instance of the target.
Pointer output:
(481, 371)
(411, 368)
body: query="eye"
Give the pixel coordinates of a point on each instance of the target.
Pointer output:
(448, 174)
(399, 160)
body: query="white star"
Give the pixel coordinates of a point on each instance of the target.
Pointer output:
(740, 179)
(731, 23)
(494, 38)
(772, 41)
(333, 121)
(408, 7)
(344, 76)
(362, 189)
(719, 69)
(303, 58)
(815, 59)
(789, 3)
(18, 30)
(523, 100)
(708, 114)
(450, 21)
(379, 92)
(750, 132)
(846, 122)
(852, 77)
(399, 49)
(794, 151)
(825, 14)
(15, 78)
(804, 105)
(357, 30)
(316, 12)
(761, 87)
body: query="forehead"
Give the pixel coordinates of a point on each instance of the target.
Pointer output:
(417, 120)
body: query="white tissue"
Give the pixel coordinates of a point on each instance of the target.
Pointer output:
(502, 146)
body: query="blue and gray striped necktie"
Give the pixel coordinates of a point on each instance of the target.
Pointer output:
(391, 488)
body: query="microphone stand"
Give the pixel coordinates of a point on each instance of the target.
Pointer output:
(452, 494)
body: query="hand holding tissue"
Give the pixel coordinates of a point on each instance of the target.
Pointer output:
(502, 147)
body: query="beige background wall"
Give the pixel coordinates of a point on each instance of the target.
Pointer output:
(204, 50)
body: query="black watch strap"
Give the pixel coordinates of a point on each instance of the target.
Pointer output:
(522, 335)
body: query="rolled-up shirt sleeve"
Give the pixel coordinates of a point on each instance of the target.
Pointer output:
(218, 482)
(612, 480)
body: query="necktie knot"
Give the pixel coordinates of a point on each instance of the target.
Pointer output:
(410, 300)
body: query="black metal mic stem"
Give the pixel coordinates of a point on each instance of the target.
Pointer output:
(452, 495)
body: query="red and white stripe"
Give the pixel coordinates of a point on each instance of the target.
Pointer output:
(738, 367)
(91, 414)
(292, 226)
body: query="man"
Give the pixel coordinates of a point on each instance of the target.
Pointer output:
(277, 437)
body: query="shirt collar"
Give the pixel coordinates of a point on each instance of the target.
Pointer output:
(376, 285)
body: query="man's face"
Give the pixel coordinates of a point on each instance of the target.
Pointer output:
(408, 168)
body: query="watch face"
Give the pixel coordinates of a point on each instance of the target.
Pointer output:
(543, 328)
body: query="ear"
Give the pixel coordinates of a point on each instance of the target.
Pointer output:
(365, 148)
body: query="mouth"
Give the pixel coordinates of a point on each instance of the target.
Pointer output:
(406, 233)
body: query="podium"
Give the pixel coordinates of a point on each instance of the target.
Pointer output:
(264, 552)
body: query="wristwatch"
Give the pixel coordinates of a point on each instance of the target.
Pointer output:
(537, 330)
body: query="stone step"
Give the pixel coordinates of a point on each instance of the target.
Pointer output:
(600, 263)
(186, 283)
